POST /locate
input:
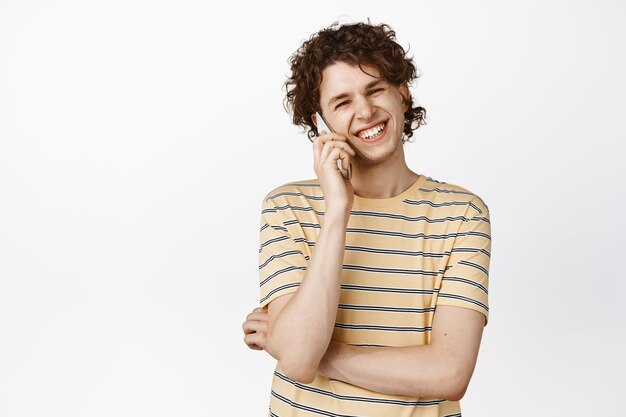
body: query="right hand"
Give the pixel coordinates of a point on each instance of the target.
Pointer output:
(328, 148)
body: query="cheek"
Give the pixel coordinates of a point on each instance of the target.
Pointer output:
(343, 125)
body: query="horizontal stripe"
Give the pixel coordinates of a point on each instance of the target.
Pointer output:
(279, 228)
(462, 298)
(383, 328)
(341, 397)
(413, 235)
(432, 204)
(466, 281)
(282, 271)
(481, 219)
(277, 289)
(273, 240)
(396, 252)
(472, 250)
(279, 255)
(311, 225)
(303, 240)
(304, 184)
(481, 234)
(473, 265)
(294, 404)
(385, 308)
(429, 179)
(289, 207)
(297, 194)
(408, 218)
(387, 289)
(440, 190)
(391, 270)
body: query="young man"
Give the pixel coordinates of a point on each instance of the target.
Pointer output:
(373, 288)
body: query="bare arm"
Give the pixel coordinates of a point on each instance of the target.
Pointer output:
(441, 369)
(300, 325)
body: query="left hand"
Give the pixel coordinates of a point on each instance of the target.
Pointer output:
(255, 330)
(255, 336)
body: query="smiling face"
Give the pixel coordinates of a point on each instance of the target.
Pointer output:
(367, 110)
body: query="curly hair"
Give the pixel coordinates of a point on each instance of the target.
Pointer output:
(359, 44)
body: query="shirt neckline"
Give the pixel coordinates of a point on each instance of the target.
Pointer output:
(391, 201)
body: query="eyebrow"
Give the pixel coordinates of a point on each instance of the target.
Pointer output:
(344, 95)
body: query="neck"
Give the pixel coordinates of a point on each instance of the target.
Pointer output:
(384, 180)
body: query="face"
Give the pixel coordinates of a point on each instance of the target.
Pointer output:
(367, 110)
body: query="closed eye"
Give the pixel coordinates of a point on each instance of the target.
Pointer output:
(375, 91)
(343, 103)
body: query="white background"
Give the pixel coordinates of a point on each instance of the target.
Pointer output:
(138, 138)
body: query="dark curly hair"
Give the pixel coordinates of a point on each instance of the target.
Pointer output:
(359, 44)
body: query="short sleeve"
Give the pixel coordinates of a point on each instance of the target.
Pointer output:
(466, 277)
(282, 261)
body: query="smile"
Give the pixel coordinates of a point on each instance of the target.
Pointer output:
(373, 132)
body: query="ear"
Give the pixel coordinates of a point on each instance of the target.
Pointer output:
(406, 96)
(314, 118)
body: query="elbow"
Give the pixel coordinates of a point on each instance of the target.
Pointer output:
(455, 386)
(292, 365)
(298, 371)
(455, 394)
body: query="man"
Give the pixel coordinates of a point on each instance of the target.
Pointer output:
(373, 288)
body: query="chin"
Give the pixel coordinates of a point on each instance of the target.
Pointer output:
(363, 158)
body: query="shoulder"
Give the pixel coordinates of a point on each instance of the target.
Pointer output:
(439, 191)
(297, 193)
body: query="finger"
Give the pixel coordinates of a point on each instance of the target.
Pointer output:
(333, 155)
(326, 151)
(332, 137)
(345, 162)
(261, 316)
(254, 327)
(336, 154)
(341, 144)
(255, 339)
(253, 324)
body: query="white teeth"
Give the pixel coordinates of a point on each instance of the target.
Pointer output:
(368, 134)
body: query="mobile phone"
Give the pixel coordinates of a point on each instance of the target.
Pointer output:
(323, 125)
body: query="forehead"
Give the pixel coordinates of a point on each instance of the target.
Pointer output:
(342, 77)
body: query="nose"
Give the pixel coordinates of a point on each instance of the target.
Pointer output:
(363, 108)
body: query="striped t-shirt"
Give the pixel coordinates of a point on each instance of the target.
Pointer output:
(428, 246)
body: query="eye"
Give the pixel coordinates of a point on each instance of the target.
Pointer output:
(375, 91)
(343, 103)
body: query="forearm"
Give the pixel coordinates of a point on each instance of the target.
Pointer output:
(302, 330)
(417, 371)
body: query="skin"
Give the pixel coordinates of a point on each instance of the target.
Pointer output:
(351, 100)
(379, 169)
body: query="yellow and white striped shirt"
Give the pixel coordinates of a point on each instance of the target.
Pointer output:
(404, 256)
